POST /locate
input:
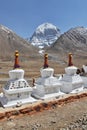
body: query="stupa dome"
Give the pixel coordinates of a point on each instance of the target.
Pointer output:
(47, 72)
(71, 70)
(16, 74)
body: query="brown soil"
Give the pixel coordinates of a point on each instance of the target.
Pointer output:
(55, 117)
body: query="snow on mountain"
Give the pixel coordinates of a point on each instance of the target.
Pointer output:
(45, 35)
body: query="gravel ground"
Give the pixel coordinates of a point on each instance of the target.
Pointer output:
(71, 116)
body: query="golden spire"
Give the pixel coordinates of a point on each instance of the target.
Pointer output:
(16, 64)
(70, 60)
(46, 61)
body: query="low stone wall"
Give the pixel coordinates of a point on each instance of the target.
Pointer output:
(39, 106)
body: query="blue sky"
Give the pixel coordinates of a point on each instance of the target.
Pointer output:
(23, 16)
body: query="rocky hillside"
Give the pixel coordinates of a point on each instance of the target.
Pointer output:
(45, 35)
(73, 40)
(10, 41)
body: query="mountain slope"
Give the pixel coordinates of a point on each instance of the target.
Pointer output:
(9, 42)
(73, 40)
(45, 35)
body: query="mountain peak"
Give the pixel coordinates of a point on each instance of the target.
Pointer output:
(44, 26)
(74, 40)
(45, 35)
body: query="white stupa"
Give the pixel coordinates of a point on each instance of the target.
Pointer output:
(71, 80)
(47, 83)
(16, 91)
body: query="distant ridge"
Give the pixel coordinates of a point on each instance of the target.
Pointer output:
(10, 41)
(74, 39)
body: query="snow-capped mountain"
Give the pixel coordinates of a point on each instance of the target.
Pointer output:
(45, 35)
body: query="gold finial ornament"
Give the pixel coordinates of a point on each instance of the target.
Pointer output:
(16, 64)
(70, 60)
(16, 53)
(46, 61)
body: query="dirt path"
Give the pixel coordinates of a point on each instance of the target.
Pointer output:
(56, 118)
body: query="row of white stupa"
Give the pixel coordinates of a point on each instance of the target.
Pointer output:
(17, 90)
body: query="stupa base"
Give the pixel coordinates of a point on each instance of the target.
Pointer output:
(48, 96)
(15, 103)
(78, 90)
